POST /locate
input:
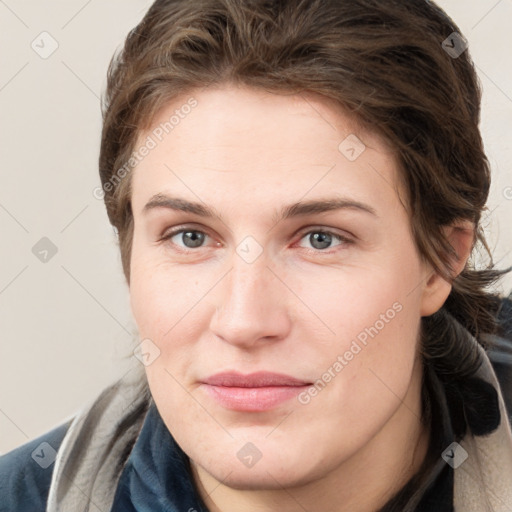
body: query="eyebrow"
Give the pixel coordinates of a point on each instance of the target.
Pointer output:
(292, 210)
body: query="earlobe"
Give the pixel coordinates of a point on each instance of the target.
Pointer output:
(436, 289)
(435, 293)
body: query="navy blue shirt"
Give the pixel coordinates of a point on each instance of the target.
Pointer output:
(157, 474)
(26, 472)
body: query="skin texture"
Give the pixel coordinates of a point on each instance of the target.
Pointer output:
(294, 309)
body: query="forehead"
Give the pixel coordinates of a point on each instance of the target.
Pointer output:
(244, 141)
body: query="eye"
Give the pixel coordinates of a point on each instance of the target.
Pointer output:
(186, 238)
(321, 239)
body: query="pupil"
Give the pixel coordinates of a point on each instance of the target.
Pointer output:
(323, 239)
(193, 237)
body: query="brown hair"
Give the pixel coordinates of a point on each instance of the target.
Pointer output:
(383, 61)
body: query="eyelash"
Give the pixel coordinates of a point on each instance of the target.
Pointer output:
(342, 239)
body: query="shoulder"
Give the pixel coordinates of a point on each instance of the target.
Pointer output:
(26, 472)
(500, 352)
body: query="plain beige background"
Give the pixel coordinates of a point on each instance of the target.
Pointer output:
(65, 322)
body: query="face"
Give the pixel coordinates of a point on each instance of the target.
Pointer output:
(284, 304)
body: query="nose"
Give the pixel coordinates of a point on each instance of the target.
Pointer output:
(251, 305)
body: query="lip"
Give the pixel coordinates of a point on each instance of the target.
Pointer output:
(255, 392)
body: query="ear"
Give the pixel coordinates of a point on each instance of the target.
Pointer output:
(461, 235)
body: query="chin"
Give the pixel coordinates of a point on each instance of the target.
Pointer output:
(264, 478)
(270, 472)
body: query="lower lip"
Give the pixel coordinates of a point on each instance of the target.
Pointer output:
(253, 399)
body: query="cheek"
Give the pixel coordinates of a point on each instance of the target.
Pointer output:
(164, 314)
(168, 305)
(360, 303)
(160, 298)
(366, 358)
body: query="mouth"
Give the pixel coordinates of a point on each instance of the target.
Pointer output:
(255, 392)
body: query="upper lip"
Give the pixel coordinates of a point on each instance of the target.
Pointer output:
(253, 380)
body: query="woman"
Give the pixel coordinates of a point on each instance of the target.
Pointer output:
(297, 189)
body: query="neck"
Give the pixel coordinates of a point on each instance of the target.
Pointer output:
(364, 482)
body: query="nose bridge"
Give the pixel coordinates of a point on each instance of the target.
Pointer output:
(249, 307)
(248, 284)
